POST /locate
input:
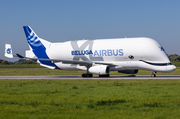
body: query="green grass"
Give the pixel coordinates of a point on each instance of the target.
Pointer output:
(15, 66)
(93, 99)
(177, 64)
(45, 71)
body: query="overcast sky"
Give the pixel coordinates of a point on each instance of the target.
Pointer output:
(64, 20)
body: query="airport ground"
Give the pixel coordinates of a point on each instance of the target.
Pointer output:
(52, 98)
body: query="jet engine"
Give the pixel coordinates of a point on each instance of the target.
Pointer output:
(129, 71)
(100, 69)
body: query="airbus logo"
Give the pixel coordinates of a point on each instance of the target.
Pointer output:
(9, 51)
(109, 52)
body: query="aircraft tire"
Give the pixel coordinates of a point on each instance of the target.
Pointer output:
(84, 75)
(107, 75)
(154, 75)
(87, 75)
(90, 75)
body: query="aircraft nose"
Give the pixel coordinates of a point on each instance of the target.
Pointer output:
(174, 68)
(171, 68)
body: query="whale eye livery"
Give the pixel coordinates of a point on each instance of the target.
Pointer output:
(131, 57)
(100, 56)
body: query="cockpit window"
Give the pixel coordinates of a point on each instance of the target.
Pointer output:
(162, 49)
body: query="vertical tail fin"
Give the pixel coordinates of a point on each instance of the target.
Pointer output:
(38, 46)
(8, 51)
(35, 43)
(32, 38)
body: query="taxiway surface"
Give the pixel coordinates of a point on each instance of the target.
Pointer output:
(117, 77)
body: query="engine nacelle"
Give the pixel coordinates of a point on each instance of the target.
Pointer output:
(100, 69)
(129, 71)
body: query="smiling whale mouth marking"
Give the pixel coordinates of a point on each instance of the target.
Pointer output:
(156, 64)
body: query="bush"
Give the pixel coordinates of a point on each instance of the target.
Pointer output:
(28, 62)
(4, 62)
(1, 61)
(174, 57)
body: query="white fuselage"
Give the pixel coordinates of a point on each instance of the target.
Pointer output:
(124, 53)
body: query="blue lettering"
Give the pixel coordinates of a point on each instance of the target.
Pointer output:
(96, 53)
(86, 52)
(90, 52)
(121, 53)
(116, 52)
(104, 53)
(72, 52)
(79, 52)
(109, 52)
(82, 52)
(99, 52)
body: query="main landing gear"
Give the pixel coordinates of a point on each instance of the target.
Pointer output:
(87, 75)
(91, 75)
(107, 75)
(153, 74)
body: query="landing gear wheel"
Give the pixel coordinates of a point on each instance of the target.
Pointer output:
(153, 74)
(107, 75)
(87, 75)
(90, 75)
(83, 75)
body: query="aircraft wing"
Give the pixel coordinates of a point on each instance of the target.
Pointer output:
(82, 63)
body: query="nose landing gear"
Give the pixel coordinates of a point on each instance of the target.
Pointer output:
(153, 74)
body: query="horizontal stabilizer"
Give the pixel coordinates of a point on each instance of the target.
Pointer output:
(20, 56)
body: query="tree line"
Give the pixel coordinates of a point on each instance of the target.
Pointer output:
(172, 58)
(20, 61)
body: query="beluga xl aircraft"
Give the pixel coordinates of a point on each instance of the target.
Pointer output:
(100, 56)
